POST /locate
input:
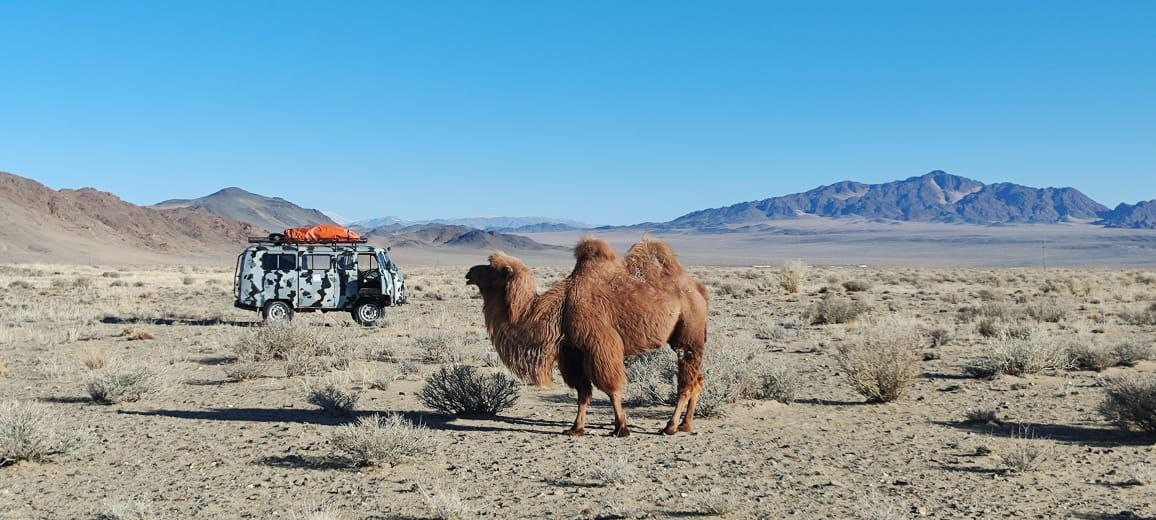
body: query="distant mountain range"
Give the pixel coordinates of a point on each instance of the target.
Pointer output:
(269, 213)
(934, 197)
(517, 224)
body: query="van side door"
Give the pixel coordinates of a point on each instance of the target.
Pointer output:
(318, 281)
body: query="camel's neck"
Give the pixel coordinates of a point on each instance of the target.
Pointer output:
(524, 327)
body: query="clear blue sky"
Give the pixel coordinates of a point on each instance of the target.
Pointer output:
(607, 112)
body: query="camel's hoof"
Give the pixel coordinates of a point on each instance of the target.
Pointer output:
(575, 432)
(669, 430)
(684, 427)
(621, 432)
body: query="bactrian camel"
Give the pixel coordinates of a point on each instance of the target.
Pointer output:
(607, 309)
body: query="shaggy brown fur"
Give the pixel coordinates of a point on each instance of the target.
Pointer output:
(607, 309)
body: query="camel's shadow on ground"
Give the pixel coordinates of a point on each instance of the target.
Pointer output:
(431, 420)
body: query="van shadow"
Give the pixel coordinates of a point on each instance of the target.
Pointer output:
(1082, 435)
(208, 322)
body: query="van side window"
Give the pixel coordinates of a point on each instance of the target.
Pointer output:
(345, 262)
(316, 262)
(278, 262)
(367, 262)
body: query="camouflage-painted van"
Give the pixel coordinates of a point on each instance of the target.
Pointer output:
(278, 278)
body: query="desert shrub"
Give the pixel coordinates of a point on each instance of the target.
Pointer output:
(716, 503)
(127, 510)
(83, 282)
(834, 309)
(1016, 357)
(771, 332)
(280, 340)
(110, 274)
(19, 284)
(1024, 453)
(5, 372)
(244, 371)
(328, 395)
(139, 335)
(939, 337)
(377, 440)
(883, 362)
(792, 274)
(437, 347)
(614, 469)
(778, 382)
(729, 377)
(1089, 356)
(1129, 353)
(1130, 402)
(987, 328)
(1139, 475)
(125, 384)
(877, 507)
(856, 285)
(93, 359)
(381, 378)
(1050, 311)
(409, 367)
(1144, 316)
(462, 390)
(985, 414)
(989, 295)
(188, 280)
(34, 432)
(444, 504)
(650, 378)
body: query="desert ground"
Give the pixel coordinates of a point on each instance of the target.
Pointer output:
(218, 433)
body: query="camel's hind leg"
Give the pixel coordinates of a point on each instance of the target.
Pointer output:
(688, 342)
(606, 368)
(574, 374)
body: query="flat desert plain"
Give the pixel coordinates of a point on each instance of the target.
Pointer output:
(999, 413)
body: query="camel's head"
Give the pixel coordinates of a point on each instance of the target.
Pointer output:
(495, 274)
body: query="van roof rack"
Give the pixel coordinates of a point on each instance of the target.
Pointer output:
(280, 241)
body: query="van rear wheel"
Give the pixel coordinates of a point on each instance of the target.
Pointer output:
(366, 313)
(276, 311)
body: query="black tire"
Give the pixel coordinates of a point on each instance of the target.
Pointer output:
(276, 311)
(366, 312)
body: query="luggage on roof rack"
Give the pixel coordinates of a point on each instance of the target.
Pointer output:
(320, 235)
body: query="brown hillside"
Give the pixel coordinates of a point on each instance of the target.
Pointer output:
(38, 223)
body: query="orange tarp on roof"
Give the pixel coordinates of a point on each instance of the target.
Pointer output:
(323, 233)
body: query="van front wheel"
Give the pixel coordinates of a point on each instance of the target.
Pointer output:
(366, 313)
(276, 311)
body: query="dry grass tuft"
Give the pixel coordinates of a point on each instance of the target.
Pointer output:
(1024, 453)
(983, 415)
(244, 371)
(444, 504)
(1016, 357)
(436, 347)
(883, 362)
(1131, 403)
(1129, 353)
(1090, 356)
(834, 310)
(34, 432)
(93, 359)
(5, 372)
(462, 390)
(614, 469)
(376, 440)
(792, 274)
(125, 384)
(328, 395)
(131, 510)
